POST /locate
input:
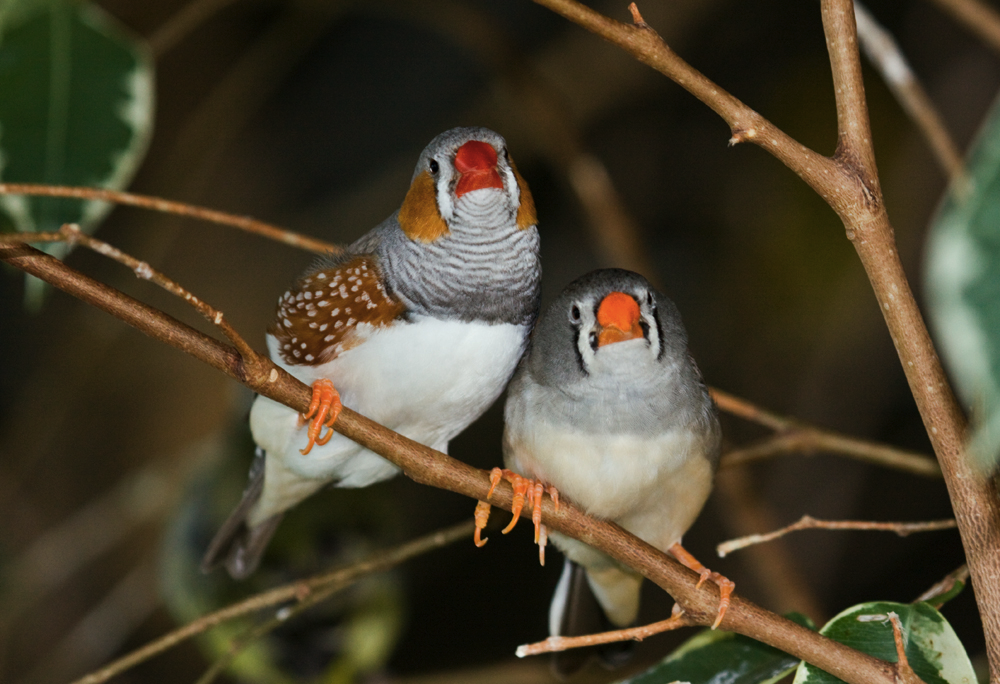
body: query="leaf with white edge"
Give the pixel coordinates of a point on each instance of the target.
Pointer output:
(82, 114)
(932, 647)
(715, 656)
(963, 288)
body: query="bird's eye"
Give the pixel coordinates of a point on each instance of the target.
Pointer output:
(574, 314)
(649, 298)
(435, 167)
(506, 154)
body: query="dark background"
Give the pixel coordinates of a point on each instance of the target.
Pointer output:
(310, 114)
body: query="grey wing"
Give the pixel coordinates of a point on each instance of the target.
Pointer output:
(366, 244)
(237, 545)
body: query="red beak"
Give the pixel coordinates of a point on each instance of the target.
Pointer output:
(618, 316)
(477, 163)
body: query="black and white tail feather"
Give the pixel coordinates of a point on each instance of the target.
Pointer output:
(575, 611)
(237, 545)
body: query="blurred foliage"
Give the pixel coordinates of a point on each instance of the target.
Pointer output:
(343, 638)
(963, 283)
(76, 108)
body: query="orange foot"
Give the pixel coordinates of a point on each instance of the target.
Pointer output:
(726, 585)
(525, 489)
(323, 410)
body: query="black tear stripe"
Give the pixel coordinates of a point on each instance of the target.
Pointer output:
(578, 354)
(659, 334)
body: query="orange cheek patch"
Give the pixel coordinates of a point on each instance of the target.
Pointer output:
(419, 216)
(618, 316)
(526, 216)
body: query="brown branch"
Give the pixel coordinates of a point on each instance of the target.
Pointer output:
(297, 591)
(559, 643)
(31, 238)
(100, 633)
(807, 522)
(795, 436)
(849, 183)
(960, 574)
(170, 207)
(811, 440)
(902, 666)
(749, 411)
(182, 23)
(426, 466)
(146, 272)
(977, 17)
(882, 50)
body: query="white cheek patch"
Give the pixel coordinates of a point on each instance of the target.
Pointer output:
(510, 183)
(590, 356)
(654, 330)
(442, 188)
(585, 328)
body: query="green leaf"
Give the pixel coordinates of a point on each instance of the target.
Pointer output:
(76, 108)
(717, 656)
(932, 647)
(963, 288)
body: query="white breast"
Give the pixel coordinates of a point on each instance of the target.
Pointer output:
(426, 380)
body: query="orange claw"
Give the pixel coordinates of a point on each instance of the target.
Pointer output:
(542, 541)
(323, 410)
(726, 585)
(482, 517)
(525, 490)
(520, 485)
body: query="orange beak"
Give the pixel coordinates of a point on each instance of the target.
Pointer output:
(476, 161)
(618, 316)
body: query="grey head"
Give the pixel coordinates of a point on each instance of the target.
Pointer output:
(602, 378)
(464, 244)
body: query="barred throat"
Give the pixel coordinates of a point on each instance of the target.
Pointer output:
(485, 268)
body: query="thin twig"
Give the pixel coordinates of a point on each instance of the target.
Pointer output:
(105, 627)
(810, 440)
(977, 17)
(750, 411)
(31, 238)
(297, 591)
(88, 533)
(560, 643)
(432, 468)
(795, 436)
(902, 662)
(182, 23)
(807, 522)
(960, 574)
(884, 53)
(170, 207)
(279, 618)
(144, 271)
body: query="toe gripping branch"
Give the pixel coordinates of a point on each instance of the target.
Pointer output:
(323, 412)
(525, 490)
(726, 585)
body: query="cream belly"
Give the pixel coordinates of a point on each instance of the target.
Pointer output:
(654, 487)
(426, 380)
